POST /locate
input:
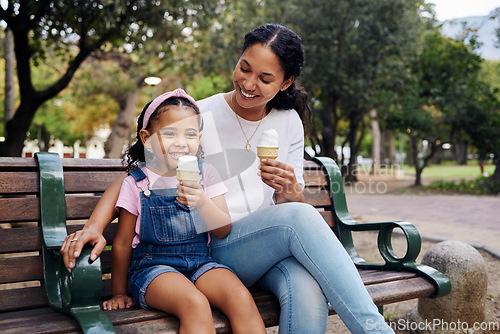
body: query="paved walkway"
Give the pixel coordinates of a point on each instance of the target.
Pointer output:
(469, 218)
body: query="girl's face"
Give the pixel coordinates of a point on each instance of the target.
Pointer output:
(258, 77)
(174, 134)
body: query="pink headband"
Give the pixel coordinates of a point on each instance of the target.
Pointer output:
(160, 99)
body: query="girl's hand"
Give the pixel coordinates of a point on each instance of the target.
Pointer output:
(281, 177)
(117, 302)
(193, 193)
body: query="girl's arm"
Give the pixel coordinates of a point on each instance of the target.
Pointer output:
(120, 255)
(214, 210)
(103, 214)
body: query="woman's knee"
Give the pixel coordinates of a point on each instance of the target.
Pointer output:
(300, 217)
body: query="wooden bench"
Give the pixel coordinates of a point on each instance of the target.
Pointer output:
(34, 283)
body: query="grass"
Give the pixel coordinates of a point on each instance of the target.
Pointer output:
(452, 178)
(446, 171)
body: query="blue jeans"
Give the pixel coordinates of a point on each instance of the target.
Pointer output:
(277, 239)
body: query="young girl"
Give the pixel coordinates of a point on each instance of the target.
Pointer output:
(158, 241)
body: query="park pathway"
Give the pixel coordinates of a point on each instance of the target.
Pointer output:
(469, 218)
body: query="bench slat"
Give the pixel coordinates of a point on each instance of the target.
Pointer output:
(22, 298)
(27, 209)
(317, 197)
(21, 269)
(370, 277)
(68, 163)
(397, 291)
(329, 218)
(43, 320)
(74, 182)
(24, 239)
(314, 178)
(28, 239)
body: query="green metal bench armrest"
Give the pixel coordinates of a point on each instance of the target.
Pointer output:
(77, 293)
(346, 225)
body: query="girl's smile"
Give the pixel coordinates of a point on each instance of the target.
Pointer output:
(175, 133)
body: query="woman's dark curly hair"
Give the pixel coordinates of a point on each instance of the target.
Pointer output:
(135, 152)
(287, 45)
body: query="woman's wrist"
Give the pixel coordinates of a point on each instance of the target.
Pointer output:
(94, 226)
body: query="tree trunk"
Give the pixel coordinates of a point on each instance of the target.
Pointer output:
(418, 169)
(436, 159)
(18, 126)
(460, 152)
(392, 147)
(376, 142)
(329, 131)
(9, 77)
(494, 180)
(496, 174)
(354, 144)
(120, 134)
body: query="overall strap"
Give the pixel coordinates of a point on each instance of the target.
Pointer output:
(137, 174)
(200, 164)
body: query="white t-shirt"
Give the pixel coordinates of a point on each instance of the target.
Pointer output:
(224, 144)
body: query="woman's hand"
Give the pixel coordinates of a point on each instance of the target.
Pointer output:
(74, 242)
(281, 177)
(117, 302)
(191, 193)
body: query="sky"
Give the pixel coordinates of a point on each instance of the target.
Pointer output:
(452, 9)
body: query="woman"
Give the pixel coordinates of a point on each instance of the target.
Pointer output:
(286, 248)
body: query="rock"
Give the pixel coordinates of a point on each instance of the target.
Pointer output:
(466, 270)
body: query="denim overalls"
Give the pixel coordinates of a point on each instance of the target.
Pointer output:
(168, 241)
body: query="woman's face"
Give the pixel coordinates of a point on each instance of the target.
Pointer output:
(258, 77)
(174, 134)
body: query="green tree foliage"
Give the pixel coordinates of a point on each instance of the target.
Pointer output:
(444, 99)
(218, 44)
(72, 30)
(348, 44)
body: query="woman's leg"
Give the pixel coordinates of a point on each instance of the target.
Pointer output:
(226, 292)
(304, 308)
(259, 241)
(175, 294)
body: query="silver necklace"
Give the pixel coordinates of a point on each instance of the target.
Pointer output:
(248, 147)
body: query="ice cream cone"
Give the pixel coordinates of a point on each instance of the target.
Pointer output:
(187, 175)
(268, 145)
(187, 170)
(267, 153)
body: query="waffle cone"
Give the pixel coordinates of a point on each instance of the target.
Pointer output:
(187, 175)
(267, 152)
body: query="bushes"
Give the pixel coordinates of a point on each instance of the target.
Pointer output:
(478, 186)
